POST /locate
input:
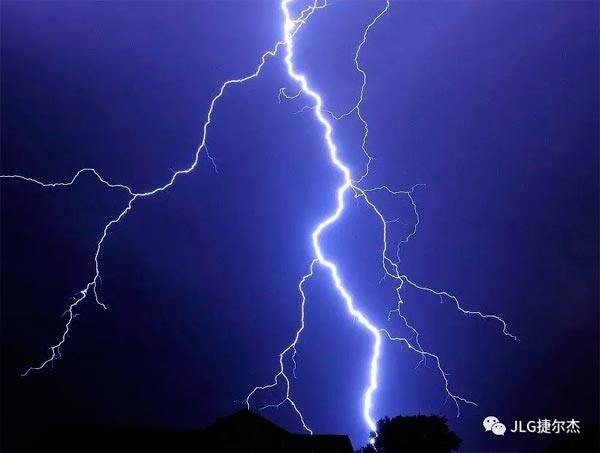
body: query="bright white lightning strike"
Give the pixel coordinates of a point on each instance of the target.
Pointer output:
(341, 192)
(348, 186)
(390, 267)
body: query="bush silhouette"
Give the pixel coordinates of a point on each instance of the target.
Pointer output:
(415, 433)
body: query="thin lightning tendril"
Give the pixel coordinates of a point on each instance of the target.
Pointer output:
(390, 266)
(92, 285)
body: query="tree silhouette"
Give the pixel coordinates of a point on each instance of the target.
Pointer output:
(415, 433)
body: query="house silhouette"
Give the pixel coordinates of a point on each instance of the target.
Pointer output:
(245, 431)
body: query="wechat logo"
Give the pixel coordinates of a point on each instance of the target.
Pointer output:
(492, 424)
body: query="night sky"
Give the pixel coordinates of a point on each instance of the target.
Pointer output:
(492, 105)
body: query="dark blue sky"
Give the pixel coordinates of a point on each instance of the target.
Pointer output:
(493, 106)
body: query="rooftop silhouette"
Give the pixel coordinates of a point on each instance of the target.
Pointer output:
(243, 431)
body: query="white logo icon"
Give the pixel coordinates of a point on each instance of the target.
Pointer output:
(499, 429)
(492, 424)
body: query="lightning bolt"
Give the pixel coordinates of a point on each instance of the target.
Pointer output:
(390, 266)
(349, 187)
